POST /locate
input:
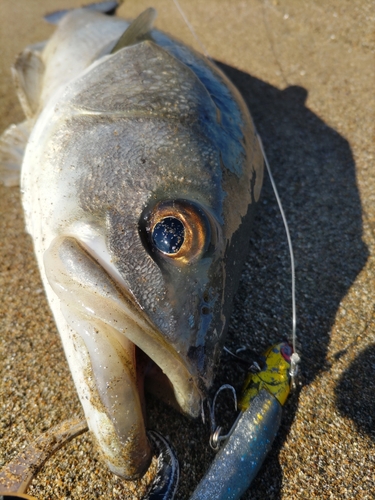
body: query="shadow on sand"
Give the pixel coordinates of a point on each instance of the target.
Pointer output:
(355, 392)
(315, 173)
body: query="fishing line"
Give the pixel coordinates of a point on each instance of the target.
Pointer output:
(183, 15)
(295, 357)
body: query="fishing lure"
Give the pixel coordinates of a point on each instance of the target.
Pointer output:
(252, 435)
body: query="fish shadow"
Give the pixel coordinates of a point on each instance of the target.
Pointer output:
(314, 170)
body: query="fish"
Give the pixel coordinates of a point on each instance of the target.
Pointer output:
(140, 174)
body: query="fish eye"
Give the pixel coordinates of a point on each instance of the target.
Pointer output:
(179, 230)
(168, 235)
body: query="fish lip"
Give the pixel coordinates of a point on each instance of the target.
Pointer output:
(180, 378)
(151, 337)
(145, 335)
(149, 340)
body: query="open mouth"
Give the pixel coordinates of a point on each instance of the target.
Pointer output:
(125, 353)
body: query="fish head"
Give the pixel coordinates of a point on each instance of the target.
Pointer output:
(151, 174)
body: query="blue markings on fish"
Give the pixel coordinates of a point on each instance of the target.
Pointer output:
(140, 178)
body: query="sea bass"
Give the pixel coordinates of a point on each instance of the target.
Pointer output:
(139, 182)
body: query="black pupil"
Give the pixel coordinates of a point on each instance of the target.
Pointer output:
(168, 235)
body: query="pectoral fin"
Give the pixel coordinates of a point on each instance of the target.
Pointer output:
(12, 148)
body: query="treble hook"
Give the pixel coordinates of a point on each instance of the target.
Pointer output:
(215, 437)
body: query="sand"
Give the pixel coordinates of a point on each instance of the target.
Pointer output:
(306, 70)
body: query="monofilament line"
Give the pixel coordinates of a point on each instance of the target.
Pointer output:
(203, 48)
(295, 359)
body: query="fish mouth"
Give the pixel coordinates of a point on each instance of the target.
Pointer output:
(119, 352)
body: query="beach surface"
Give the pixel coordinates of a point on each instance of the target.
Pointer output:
(307, 73)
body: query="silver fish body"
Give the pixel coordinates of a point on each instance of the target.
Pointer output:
(122, 146)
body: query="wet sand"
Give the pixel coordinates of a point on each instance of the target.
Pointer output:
(307, 72)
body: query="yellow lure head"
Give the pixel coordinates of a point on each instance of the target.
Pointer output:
(274, 376)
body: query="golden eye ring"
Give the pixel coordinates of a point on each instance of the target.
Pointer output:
(180, 230)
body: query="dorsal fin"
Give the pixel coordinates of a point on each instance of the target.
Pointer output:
(138, 30)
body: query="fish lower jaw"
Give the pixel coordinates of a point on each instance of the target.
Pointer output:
(113, 376)
(117, 415)
(109, 344)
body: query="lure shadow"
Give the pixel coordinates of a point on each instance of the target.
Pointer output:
(314, 170)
